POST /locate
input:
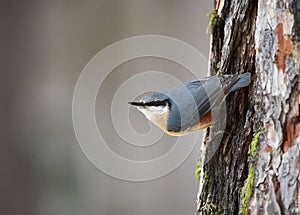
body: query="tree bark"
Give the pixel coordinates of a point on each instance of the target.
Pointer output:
(255, 169)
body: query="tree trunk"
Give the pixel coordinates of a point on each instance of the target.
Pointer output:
(255, 169)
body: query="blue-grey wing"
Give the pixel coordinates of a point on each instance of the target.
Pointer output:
(191, 102)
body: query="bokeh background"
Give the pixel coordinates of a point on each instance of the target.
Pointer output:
(44, 47)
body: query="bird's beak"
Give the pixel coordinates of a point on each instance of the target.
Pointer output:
(136, 103)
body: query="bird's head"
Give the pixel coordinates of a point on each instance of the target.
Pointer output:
(155, 107)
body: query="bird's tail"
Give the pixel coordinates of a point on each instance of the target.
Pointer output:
(244, 81)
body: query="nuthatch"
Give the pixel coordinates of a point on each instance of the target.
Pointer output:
(188, 107)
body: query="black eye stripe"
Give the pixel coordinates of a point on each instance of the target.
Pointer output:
(156, 103)
(137, 103)
(152, 103)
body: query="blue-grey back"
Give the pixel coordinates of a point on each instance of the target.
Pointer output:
(191, 101)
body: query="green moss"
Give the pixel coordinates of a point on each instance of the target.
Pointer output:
(248, 187)
(205, 174)
(198, 171)
(253, 144)
(212, 15)
(218, 68)
(247, 190)
(218, 212)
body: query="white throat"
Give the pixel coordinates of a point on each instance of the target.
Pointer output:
(153, 112)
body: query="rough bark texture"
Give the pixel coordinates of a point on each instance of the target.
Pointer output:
(259, 153)
(277, 101)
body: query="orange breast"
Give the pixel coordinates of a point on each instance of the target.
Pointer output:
(161, 120)
(204, 123)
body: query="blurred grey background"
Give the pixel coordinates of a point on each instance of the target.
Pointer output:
(44, 47)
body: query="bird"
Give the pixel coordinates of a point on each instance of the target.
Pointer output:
(189, 107)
